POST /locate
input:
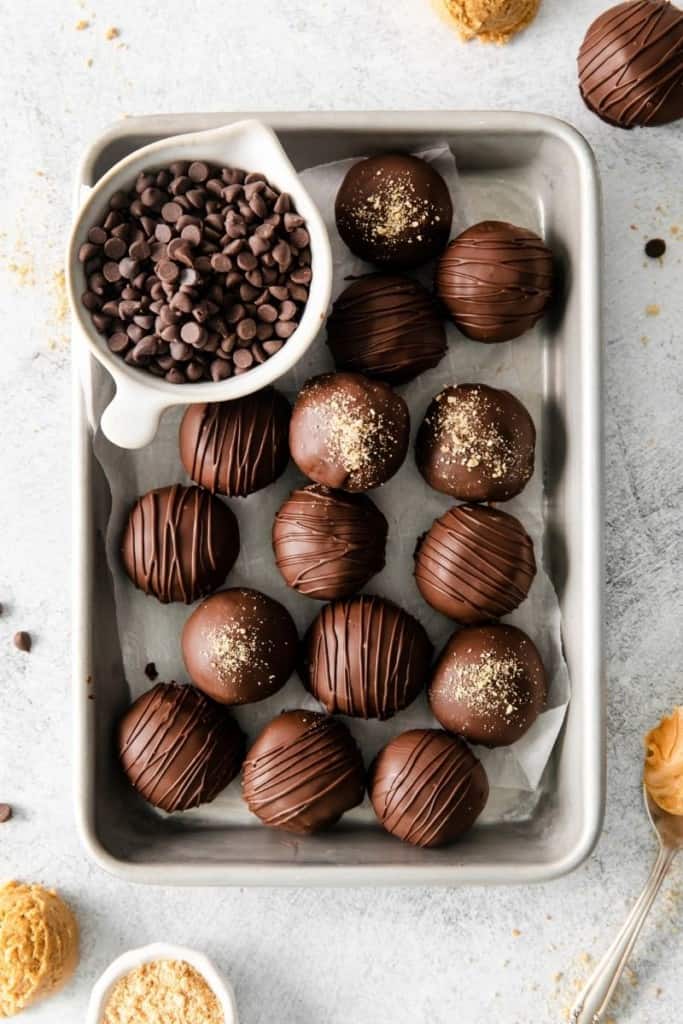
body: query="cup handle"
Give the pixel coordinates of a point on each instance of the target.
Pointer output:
(131, 419)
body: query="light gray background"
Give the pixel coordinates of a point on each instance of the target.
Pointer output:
(335, 957)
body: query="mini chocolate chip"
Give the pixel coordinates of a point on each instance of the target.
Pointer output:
(194, 371)
(302, 275)
(87, 251)
(271, 347)
(246, 329)
(220, 369)
(115, 248)
(118, 342)
(191, 233)
(292, 221)
(112, 272)
(198, 171)
(267, 313)
(193, 333)
(167, 270)
(146, 347)
(298, 292)
(278, 292)
(221, 263)
(171, 212)
(150, 197)
(22, 641)
(175, 376)
(282, 254)
(283, 203)
(655, 248)
(139, 250)
(5, 813)
(97, 235)
(128, 267)
(242, 358)
(285, 329)
(287, 310)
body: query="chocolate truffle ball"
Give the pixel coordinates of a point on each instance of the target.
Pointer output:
(427, 787)
(495, 280)
(394, 210)
(178, 748)
(366, 657)
(180, 543)
(386, 327)
(489, 685)
(303, 772)
(239, 447)
(631, 64)
(240, 646)
(476, 443)
(349, 432)
(328, 544)
(475, 564)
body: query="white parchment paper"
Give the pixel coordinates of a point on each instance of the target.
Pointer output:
(149, 631)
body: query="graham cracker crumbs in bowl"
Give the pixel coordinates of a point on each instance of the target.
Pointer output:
(163, 992)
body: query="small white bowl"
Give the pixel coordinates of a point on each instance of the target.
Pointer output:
(221, 988)
(132, 417)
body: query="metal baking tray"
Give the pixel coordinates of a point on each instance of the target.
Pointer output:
(550, 170)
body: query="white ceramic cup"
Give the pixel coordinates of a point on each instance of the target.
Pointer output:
(132, 417)
(219, 985)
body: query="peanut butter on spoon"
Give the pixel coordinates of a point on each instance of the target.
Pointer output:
(663, 772)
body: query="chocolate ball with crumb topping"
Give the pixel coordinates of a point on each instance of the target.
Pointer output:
(476, 443)
(349, 432)
(489, 685)
(240, 646)
(394, 210)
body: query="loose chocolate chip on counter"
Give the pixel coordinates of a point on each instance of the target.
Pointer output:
(22, 641)
(151, 671)
(195, 260)
(655, 248)
(5, 813)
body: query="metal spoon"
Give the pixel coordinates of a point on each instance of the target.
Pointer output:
(600, 987)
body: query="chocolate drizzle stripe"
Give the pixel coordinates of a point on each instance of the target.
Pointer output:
(631, 64)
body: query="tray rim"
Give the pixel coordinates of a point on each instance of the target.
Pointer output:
(592, 503)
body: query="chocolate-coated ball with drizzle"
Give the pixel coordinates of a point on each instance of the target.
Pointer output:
(631, 64)
(179, 543)
(366, 657)
(495, 280)
(328, 544)
(303, 772)
(237, 447)
(178, 748)
(388, 327)
(427, 788)
(475, 564)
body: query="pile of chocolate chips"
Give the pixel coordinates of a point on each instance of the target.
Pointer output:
(198, 272)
